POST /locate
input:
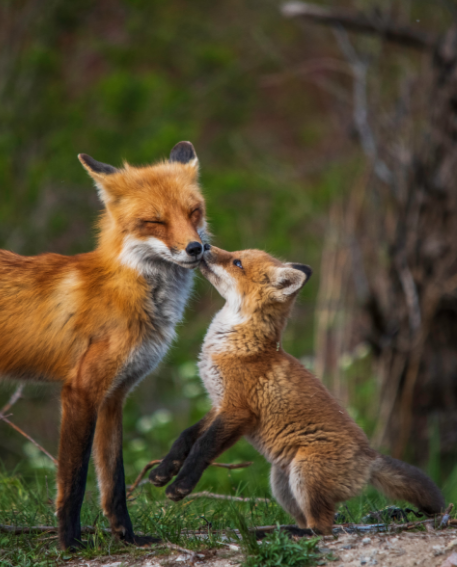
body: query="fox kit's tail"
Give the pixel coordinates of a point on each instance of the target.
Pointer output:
(398, 480)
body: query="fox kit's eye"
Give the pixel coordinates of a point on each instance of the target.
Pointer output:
(154, 222)
(238, 264)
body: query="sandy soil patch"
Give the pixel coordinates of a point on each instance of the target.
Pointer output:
(427, 549)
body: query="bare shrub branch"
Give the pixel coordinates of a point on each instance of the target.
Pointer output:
(362, 23)
(27, 436)
(14, 398)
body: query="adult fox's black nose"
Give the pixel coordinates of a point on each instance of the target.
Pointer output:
(194, 249)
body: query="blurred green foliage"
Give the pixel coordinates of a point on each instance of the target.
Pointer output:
(126, 80)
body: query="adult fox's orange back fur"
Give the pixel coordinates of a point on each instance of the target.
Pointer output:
(99, 322)
(319, 456)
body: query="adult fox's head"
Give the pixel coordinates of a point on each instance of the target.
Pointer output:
(252, 281)
(155, 212)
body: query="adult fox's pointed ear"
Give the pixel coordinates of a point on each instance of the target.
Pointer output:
(99, 172)
(95, 167)
(290, 280)
(184, 152)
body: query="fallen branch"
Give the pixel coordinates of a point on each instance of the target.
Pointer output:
(206, 494)
(17, 530)
(151, 464)
(260, 531)
(358, 22)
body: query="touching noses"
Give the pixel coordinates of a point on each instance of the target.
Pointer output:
(194, 249)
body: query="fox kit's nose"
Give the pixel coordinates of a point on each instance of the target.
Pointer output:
(194, 249)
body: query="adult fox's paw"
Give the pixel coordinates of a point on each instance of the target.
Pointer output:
(178, 490)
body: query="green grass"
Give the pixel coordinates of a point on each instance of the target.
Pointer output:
(278, 549)
(26, 503)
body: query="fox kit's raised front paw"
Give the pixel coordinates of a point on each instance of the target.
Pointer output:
(162, 475)
(178, 490)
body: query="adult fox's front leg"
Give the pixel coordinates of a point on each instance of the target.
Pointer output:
(110, 469)
(79, 415)
(82, 396)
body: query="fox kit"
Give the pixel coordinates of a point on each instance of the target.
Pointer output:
(99, 322)
(319, 456)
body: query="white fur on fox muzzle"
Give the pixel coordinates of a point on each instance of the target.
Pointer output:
(223, 282)
(138, 254)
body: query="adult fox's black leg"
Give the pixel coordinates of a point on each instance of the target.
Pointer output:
(110, 470)
(76, 436)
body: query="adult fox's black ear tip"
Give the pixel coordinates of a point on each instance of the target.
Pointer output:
(307, 270)
(94, 166)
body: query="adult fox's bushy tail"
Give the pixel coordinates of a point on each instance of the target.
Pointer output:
(399, 480)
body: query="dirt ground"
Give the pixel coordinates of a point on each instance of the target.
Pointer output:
(427, 549)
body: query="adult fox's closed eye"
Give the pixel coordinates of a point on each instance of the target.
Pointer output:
(319, 456)
(100, 321)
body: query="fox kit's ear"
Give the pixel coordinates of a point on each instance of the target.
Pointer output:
(289, 280)
(307, 270)
(184, 152)
(98, 171)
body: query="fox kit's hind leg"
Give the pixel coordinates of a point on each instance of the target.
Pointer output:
(307, 484)
(282, 492)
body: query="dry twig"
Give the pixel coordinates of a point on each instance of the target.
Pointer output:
(14, 398)
(146, 468)
(19, 430)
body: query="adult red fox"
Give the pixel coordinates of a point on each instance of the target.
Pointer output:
(319, 456)
(99, 322)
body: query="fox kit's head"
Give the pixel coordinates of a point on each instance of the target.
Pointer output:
(152, 213)
(252, 281)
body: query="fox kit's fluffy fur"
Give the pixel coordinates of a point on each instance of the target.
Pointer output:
(99, 322)
(319, 456)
